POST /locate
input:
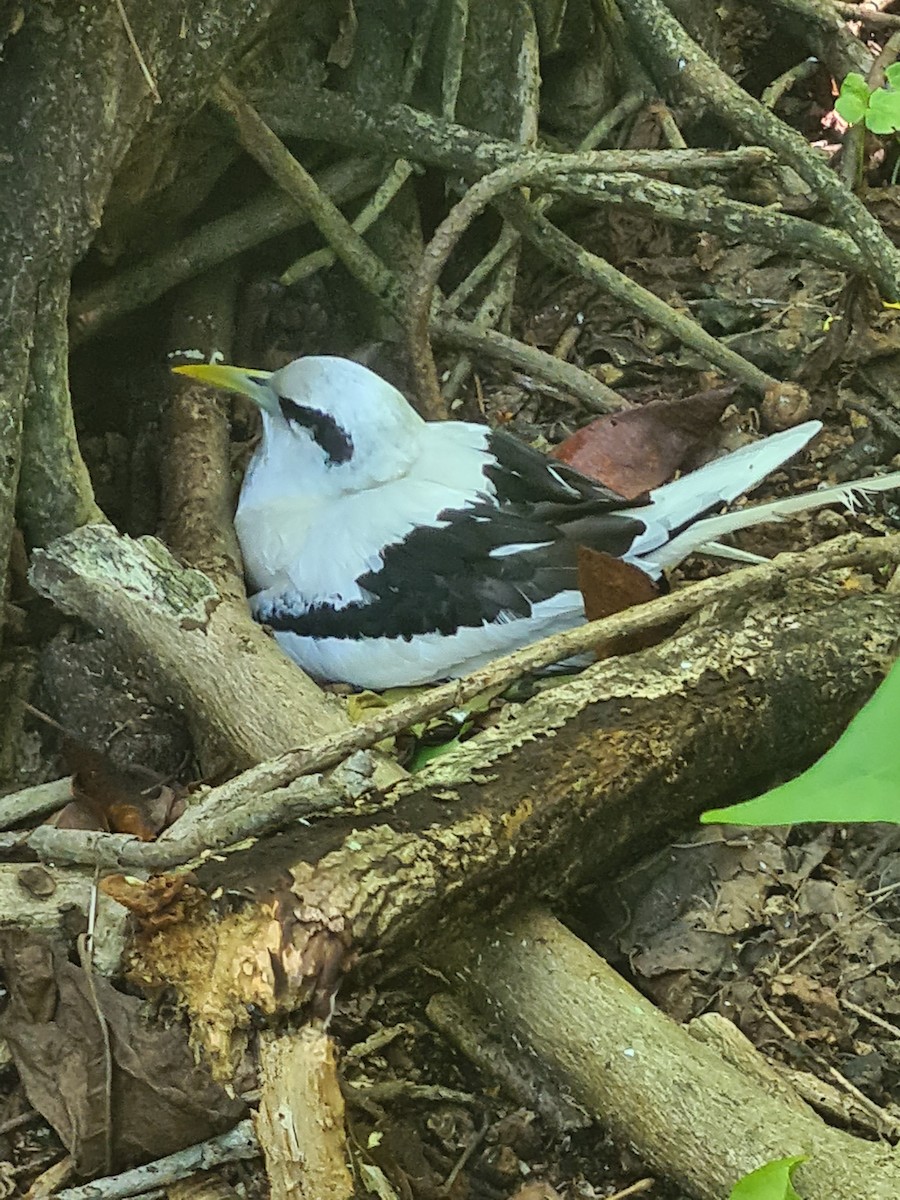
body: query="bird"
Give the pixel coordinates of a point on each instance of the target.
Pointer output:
(384, 551)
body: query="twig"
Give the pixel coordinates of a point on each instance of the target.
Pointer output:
(270, 215)
(787, 79)
(873, 1018)
(319, 259)
(275, 158)
(495, 303)
(263, 782)
(136, 50)
(507, 240)
(238, 1143)
(567, 378)
(14, 1123)
(835, 929)
(883, 1119)
(876, 416)
(687, 70)
(826, 35)
(84, 958)
(630, 103)
(634, 1189)
(567, 253)
(734, 219)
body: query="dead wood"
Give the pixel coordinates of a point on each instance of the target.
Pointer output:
(288, 788)
(300, 1123)
(243, 700)
(562, 789)
(687, 1112)
(238, 1143)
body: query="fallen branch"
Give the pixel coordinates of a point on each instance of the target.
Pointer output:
(216, 819)
(579, 775)
(29, 804)
(688, 1113)
(237, 1144)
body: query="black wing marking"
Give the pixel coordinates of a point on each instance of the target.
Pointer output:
(438, 579)
(523, 475)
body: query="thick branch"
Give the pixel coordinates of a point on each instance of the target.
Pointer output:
(579, 776)
(690, 1114)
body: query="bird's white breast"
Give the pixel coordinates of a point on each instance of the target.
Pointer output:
(314, 547)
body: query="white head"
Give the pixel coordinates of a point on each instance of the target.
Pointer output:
(329, 424)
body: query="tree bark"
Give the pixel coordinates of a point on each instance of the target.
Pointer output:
(688, 1113)
(563, 788)
(73, 99)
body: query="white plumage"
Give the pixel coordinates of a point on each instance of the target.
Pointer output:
(385, 550)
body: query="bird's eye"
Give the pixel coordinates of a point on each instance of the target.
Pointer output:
(334, 440)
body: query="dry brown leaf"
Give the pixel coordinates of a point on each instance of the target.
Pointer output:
(159, 1098)
(109, 799)
(635, 451)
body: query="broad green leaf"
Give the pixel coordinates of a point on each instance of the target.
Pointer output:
(853, 101)
(883, 113)
(892, 75)
(772, 1181)
(858, 779)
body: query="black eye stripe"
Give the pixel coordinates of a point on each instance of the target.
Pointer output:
(324, 430)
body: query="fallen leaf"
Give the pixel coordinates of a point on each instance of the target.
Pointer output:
(107, 798)
(159, 1099)
(609, 585)
(635, 451)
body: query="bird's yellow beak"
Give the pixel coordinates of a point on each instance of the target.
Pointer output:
(245, 380)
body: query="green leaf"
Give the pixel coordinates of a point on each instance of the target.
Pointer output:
(857, 780)
(892, 75)
(769, 1182)
(853, 101)
(883, 114)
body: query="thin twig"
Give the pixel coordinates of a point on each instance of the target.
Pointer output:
(883, 1119)
(85, 953)
(275, 158)
(873, 1018)
(238, 1143)
(319, 259)
(562, 376)
(136, 50)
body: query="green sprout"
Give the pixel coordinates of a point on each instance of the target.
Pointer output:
(878, 110)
